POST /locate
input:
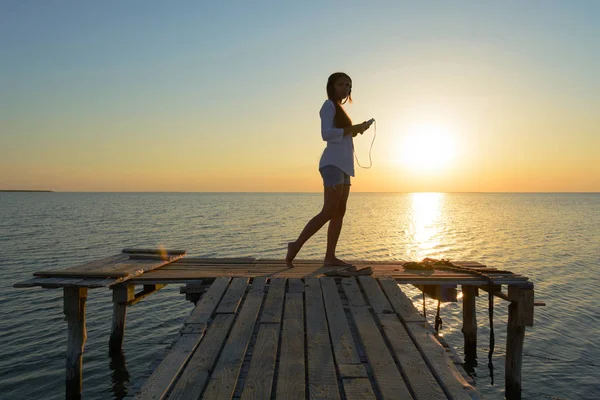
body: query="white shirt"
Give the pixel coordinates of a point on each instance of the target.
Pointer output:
(339, 150)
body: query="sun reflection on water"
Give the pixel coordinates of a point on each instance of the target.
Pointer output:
(425, 230)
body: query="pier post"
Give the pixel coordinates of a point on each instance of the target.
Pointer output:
(469, 328)
(122, 294)
(74, 309)
(520, 314)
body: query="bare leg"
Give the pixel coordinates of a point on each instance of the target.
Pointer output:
(335, 227)
(332, 197)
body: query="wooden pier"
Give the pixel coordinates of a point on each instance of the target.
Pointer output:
(262, 330)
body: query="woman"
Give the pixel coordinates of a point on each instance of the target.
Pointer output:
(336, 168)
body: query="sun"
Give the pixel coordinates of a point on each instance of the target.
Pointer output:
(428, 147)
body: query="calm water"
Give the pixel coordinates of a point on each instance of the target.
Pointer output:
(552, 238)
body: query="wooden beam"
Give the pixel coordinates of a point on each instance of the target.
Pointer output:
(444, 293)
(469, 328)
(122, 294)
(145, 292)
(520, 314)
(74, 309)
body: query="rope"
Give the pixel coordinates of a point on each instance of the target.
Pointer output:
(446, 265)
(492, 336)
(438, 320)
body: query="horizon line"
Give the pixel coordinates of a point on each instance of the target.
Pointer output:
(275, 192)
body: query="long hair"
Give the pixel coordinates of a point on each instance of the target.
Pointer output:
(341, 119)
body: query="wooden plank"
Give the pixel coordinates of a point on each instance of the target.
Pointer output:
(290, 378)
(376, 298)
(343, 343)
(401, 304)
(322, 380)
(259, 380)
(55, 283)
(352, 291)
(184, 266)
(295, 286)
(441, 366)
(111, 267)
(358, 389)
(416, 371)
(163, 377)
(386, 374)
(352, 371)
(274, 303)
(211, 272)
(231, 300)
(153, 251)
(210, 260)
(195, 376)
(224, 377)
(95, 265)
(205, 307)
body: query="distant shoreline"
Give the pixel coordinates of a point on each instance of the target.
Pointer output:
(1, 190)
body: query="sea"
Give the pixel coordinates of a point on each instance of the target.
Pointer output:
(553, 238)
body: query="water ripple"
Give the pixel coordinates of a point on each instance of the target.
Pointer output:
(552, 238)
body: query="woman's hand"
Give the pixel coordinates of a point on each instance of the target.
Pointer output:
(358, 128)
(364, 126)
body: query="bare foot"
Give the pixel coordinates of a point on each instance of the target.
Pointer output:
(293, 249)
(336, 262)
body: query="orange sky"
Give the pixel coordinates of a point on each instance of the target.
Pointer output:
(172, 100)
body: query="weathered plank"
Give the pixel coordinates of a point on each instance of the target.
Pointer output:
(170, 276)
(93, 265)
(274, 302)
(195, 376)
(343, 343)
(352, 291)
(387, 376)
(290, 379)
(132, 250)
(352, 371)
(259, 380)
(295, 285)
(208, 303)
(163, 377)
(401, 304)
(231, 300)
(358, 389)
(450, 380)
(376, 298)
(322, 381)
(209, 260)
(419, 377)
(118, 266)
(223, 379)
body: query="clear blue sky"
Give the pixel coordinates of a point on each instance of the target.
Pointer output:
(203, 96)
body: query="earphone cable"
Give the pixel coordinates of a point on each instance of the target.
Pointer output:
(370, 148)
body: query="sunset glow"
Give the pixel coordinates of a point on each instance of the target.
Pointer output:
(428, 147)
(170, 99)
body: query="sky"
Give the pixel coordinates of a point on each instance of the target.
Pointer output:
(198, 96)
